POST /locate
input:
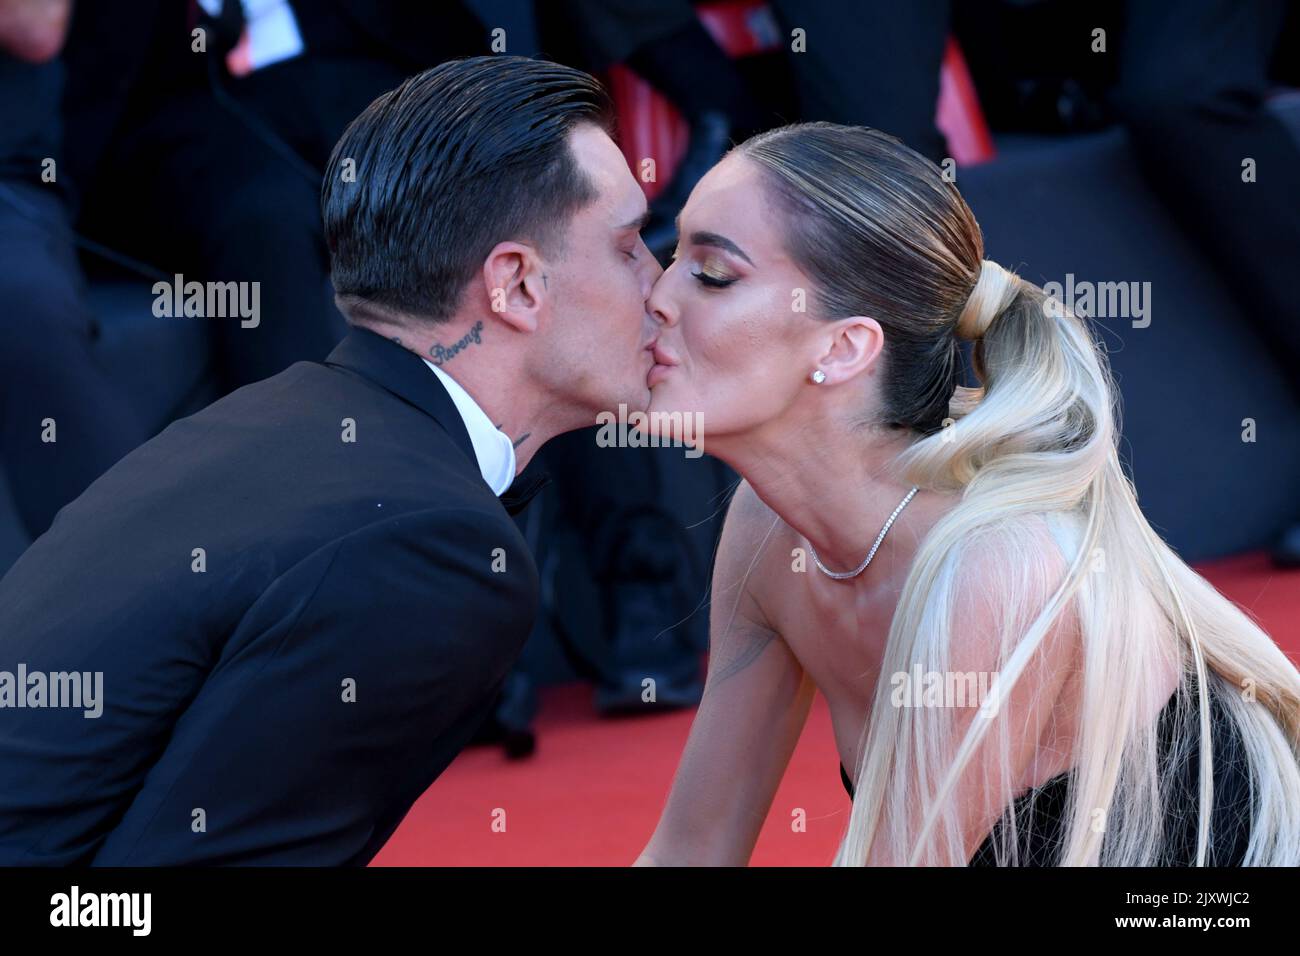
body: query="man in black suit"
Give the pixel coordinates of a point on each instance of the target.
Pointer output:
(63, 418)
(193, 169)
(261, 635)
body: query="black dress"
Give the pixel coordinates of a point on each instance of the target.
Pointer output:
(1041, 835)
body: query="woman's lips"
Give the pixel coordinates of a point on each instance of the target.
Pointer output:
(664, 363)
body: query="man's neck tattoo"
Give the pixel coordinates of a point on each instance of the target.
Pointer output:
(518, 441)
(474, 336)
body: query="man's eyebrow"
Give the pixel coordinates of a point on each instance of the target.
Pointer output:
(721, 242)
(639, 223)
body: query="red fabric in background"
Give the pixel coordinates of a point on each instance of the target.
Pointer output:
(649, 126)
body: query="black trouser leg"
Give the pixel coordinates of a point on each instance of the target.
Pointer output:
(51, 385)
(878, 66)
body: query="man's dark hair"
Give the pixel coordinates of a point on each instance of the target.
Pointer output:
(455, 160)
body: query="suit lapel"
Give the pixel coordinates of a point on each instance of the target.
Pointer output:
(404, 374)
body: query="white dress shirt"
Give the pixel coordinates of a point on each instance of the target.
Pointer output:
(492, 447)
(270, 34)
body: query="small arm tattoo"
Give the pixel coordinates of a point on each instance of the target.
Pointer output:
(751, 651)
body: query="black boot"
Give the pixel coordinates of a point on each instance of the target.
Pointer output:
(655, 666)
(510, 723)
(1286, 553)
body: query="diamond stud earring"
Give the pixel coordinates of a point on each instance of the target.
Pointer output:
(818, 376)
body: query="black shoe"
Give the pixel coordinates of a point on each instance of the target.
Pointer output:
(633, 695)
(510, 723)
(654, 666)
(1286, 553)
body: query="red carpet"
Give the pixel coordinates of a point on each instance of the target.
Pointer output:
(592, 793)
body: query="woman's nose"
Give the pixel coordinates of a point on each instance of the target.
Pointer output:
(659, 304)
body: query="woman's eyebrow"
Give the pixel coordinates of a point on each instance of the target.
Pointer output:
(720, 242)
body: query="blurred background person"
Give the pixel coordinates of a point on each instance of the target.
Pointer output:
(1190, 83)
(875, 65)
(1193, 79)
(63, 421)
(202, 152)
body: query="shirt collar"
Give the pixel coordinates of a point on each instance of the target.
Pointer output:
(492, 447)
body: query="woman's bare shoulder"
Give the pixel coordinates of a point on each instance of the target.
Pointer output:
(1009, 572)
(1035, 540)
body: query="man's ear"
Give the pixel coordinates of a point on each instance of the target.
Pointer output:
(852, 345)
(515, 284)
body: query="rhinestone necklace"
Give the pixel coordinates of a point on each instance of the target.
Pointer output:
(843, 575)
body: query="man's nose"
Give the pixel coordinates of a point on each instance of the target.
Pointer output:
(650, 274)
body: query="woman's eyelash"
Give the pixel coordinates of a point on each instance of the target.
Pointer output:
(712, 282)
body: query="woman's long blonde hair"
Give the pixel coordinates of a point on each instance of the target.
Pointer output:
(883, 233)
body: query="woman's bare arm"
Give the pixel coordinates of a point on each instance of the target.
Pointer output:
(755, 703)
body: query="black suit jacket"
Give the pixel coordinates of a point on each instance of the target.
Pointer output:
(123, 59)
(284, 694)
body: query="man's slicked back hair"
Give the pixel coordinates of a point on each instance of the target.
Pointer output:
(432, 175)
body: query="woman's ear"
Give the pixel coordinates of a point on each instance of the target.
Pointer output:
(852, 347)
(515, 285)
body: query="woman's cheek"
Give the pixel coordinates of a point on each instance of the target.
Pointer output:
(718, 350)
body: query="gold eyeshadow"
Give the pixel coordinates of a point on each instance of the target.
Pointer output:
(712, 269)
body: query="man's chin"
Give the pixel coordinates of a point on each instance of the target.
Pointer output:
(637, 399)
(620, 405)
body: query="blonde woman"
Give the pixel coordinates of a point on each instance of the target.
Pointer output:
(894, 529)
